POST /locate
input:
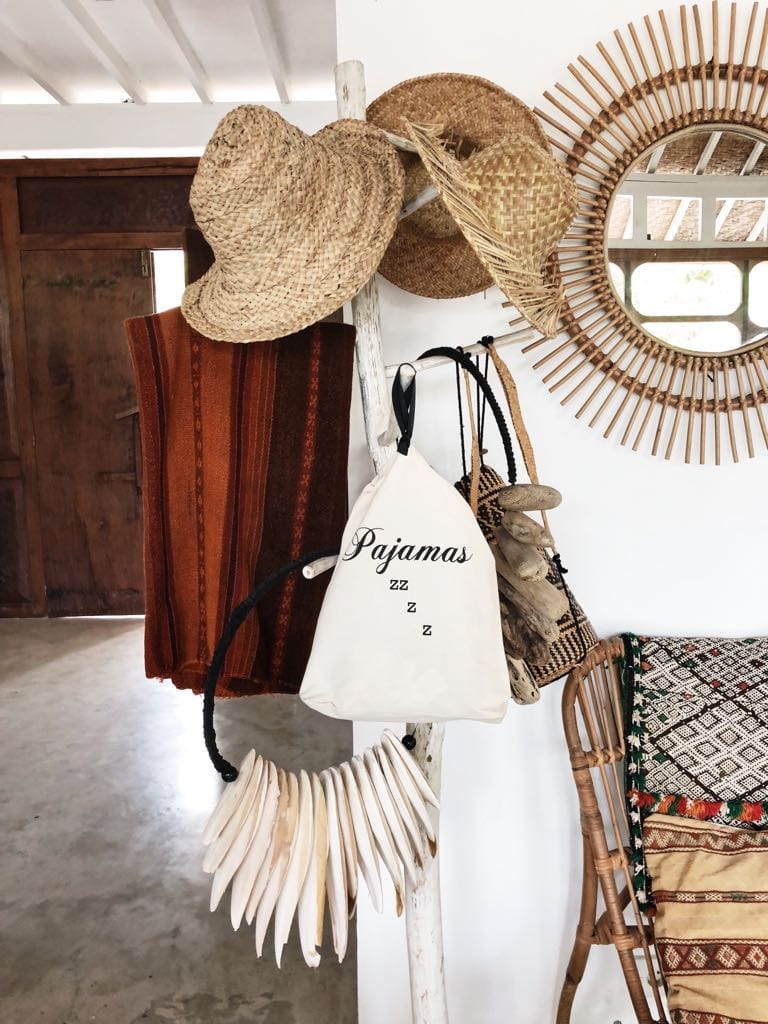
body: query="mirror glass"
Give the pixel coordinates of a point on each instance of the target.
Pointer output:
(686, 239)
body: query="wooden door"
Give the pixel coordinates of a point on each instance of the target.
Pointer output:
(81, 379)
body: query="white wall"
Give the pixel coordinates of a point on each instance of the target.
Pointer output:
(652, 546)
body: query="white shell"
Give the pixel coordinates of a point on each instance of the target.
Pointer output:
(389, 813)
(366, 854)
(301, 853)
(347, 840)
(410, 791)
(411, 767)
(337, 888)
(262, 875)
(312, 898)
(235, 854)
(282, 844)
(246, 874)
(219, 848)
(229, 799)
(382, 836)
(403, 807)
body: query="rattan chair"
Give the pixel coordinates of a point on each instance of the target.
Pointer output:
(593, 722)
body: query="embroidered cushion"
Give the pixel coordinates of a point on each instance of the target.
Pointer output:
(697, 733)
(710, 885)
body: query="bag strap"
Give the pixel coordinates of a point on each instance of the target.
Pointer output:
(404, 406)
(516, 415)
(227, 771)
(460, 357)
(474, 473)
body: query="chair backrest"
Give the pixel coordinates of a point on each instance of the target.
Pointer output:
(593, 719)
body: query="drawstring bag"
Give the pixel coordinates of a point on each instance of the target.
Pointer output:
(410, 628)
(576, 636)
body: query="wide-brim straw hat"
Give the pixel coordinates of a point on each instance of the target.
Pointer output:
(429, 255)
(297, 223)
(513, 202)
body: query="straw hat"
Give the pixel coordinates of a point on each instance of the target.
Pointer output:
(428, 254)
(513, 202)
(298, 224)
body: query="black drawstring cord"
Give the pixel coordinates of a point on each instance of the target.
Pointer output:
(460, 357)
(227, 771)
(561, 571)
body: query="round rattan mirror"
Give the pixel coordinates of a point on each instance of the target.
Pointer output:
(665, 269)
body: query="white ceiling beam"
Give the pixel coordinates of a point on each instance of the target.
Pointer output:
(677, 220)
(265, 29)
(707, 152)
(20, 55)
(751, 162)
(701, 166)
(656, 156)
(101, 48)
(169, 27)
(749, 165)
(758, 230)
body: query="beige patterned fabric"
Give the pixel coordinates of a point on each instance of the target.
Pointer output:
(710, 885)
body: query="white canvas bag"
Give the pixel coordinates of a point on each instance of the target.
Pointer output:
(410, 628)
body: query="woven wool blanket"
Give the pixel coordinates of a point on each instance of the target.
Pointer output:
(244, 468)
(696, 733)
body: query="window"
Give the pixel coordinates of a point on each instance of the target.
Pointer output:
(617, 280)
(167, 278)
(668, 288)
(707, 336)
(758, 294)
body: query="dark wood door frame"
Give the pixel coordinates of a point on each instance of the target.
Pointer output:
(17, 442)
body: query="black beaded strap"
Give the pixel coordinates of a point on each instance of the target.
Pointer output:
(227, 771)
(466, 362)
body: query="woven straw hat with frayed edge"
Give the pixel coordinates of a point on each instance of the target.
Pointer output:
(513, 202)
(428, 254)
(297, 223)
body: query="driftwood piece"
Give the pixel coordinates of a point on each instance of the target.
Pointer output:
(529, 497)
(524, 688)
(546, 627)
(520, 641)
(523, 559)
(526, 530)
(540, 595)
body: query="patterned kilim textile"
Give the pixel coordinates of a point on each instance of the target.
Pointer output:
(697, 732)
(710, 885)
(244, 468)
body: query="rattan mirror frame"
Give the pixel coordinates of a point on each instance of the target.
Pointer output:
(707, 69)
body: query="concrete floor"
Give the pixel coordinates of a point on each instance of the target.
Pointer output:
(105, 790)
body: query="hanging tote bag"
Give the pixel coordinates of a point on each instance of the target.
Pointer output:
(410, 628)
(577, 635)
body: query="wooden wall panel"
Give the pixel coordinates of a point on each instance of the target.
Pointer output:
(8, 439)
(81, 374)
(90, 204)
(15, 591)
(22, 546)
(78, 519)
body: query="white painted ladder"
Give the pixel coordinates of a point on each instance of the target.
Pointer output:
(422, 904)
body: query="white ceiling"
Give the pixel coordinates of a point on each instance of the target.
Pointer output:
(145, 51)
